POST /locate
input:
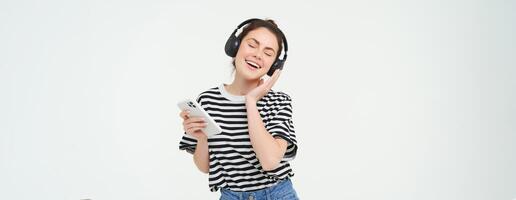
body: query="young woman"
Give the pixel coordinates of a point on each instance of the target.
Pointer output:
(250, 158)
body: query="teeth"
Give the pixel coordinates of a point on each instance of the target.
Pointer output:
(253, 64)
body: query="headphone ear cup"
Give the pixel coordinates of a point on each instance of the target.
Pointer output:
(232, 45)
(276, 65)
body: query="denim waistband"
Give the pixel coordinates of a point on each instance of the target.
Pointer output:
(275, 190)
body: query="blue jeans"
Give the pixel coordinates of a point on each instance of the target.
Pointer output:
(281, 191)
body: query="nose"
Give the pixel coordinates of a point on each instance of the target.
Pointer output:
(258, 55)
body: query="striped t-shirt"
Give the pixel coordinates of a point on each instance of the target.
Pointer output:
(233, 162)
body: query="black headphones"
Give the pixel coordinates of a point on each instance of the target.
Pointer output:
(233, 44)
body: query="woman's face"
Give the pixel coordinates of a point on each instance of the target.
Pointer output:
(256, 54)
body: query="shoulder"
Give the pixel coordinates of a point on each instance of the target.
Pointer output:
(212, 92)
(279, 102)
(277, 96)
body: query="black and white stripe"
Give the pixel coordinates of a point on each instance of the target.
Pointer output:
(233, 163)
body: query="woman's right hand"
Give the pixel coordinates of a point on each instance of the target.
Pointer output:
(193, 125)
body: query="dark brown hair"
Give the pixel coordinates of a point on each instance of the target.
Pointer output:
(270, 25)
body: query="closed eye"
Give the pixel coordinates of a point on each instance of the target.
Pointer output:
(269, 52)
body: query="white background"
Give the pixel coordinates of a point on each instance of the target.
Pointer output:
(392, 99)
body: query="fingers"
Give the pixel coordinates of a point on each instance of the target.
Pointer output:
(276, 75)
(193, 120)
(191, 127)
(193, 124)
(273, 79)
(184, 114)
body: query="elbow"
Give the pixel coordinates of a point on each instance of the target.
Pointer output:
(270, 165)
(204, 171)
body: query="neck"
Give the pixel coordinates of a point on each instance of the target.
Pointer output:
(241, 86)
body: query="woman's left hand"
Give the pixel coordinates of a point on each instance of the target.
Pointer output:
(263, 88)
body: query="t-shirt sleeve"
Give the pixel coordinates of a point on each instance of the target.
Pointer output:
(281, 126)
(188, 142)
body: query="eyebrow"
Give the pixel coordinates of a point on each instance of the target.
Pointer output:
(265, 47)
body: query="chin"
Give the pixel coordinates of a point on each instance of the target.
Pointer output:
(250, 75)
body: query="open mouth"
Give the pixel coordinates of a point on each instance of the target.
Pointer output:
(253, 64)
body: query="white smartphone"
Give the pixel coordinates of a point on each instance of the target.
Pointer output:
(212, 128)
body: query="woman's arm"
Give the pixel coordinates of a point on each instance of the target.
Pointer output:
(193, 126)
(201, 156)
(269, 150)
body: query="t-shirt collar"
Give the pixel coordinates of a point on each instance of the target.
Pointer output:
(229, 96)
